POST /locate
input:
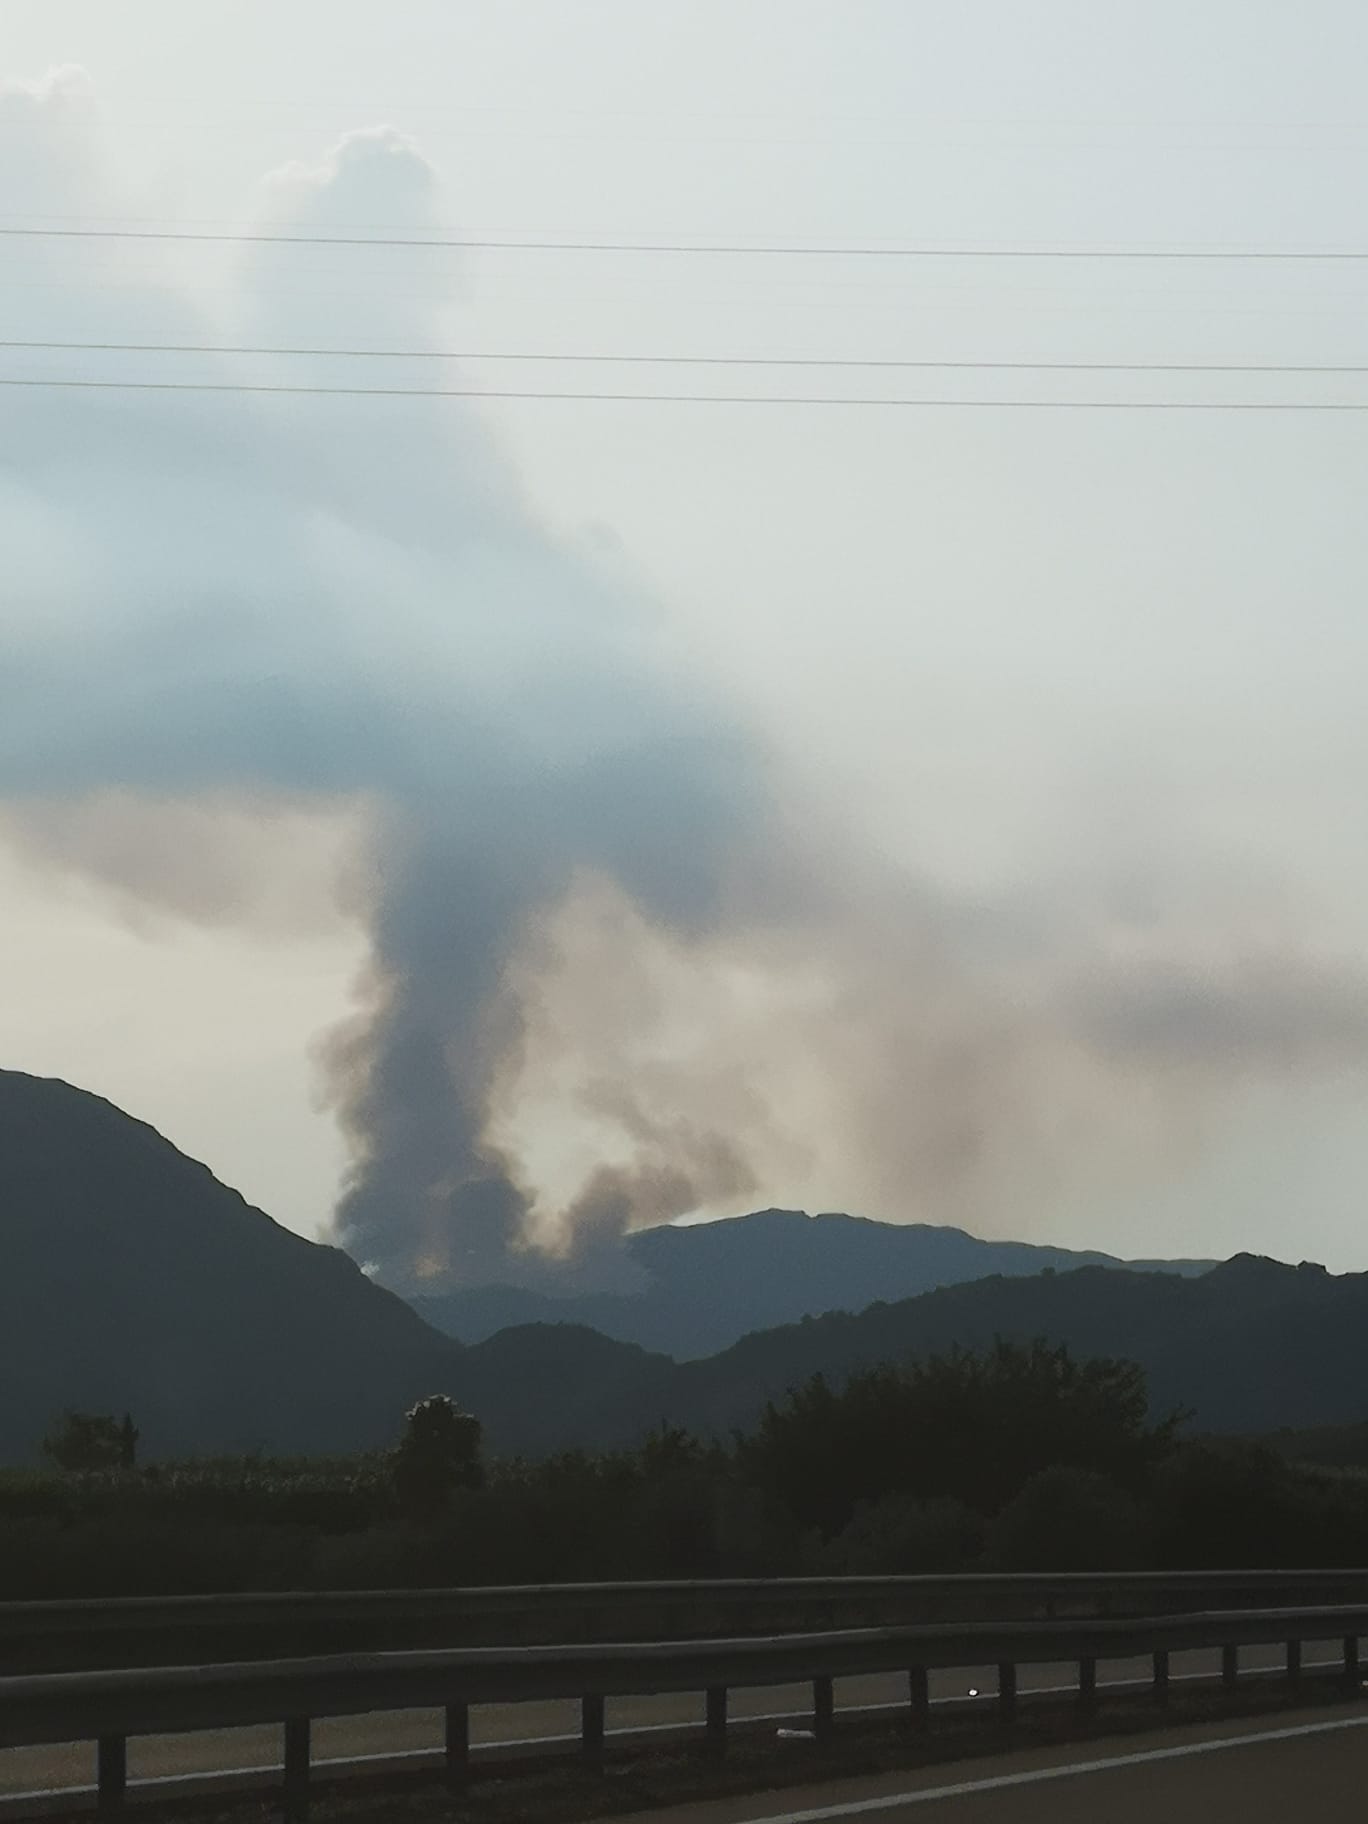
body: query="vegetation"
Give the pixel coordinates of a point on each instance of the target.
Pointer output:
(1017, 1458)
(86, 1441)
(971, 1427)
(438, 1453)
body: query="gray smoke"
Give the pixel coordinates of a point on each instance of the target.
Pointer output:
(277, 603)
(463, 889)
(220, 616)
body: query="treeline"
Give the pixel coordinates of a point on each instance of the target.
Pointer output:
(1018, 1458)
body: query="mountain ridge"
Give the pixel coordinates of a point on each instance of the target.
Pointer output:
(136, 1280)
(706, 1285)
(1253, 1346)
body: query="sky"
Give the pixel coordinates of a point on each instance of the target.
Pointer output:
(945, 814)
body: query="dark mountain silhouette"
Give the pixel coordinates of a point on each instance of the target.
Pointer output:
(133, 1280)
(542, 1388)
(704, 1287)
(1252, 1346)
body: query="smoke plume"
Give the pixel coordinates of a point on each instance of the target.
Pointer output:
(257, 604)
(591, 893)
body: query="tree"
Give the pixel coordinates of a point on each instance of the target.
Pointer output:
(438, 1453)
(86, 1441)
(969, 1427)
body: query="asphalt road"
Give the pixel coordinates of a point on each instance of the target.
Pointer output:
(25, 1770)
(1274, 1772)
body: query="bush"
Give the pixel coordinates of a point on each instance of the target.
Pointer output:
(1241, 1505)
(148, 1555)
(902, 1534)
(1068, 1519)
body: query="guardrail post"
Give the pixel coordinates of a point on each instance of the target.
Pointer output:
(1087, 1683)
(1007, 1690)
(112, 1776)
(823, 1708)
(1294, 1661)
(919, 1693)
(1161, 1676)
(457, 1743)
(591, 1728)
(1230, 1667)
(1351, 1656)
(716, 1711)
(297, 1767)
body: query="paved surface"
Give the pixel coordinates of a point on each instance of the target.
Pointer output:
(36, 1769)
(1274, 1772)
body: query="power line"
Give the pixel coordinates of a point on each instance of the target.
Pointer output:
(808, 361)
(472, 245)
(790, 399)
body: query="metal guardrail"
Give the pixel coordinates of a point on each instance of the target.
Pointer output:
(110, 1706)
(136, 1630)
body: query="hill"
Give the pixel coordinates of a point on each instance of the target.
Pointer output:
(704, 1287)
(133, 1280)
(1251, 1346)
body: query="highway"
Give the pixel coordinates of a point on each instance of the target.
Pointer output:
(346, 1739)
(1272, 1772)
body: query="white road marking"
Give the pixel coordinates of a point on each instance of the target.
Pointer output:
(1037, 1776)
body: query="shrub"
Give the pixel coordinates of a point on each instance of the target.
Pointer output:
(903, 1534)
(1068, 1519)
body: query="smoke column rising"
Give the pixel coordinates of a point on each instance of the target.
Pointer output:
(354, 605)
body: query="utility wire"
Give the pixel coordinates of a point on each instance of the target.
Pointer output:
(809, 361)
(926, 252)
(461, 392)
